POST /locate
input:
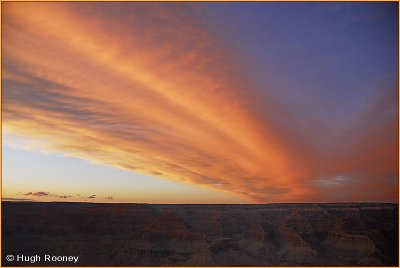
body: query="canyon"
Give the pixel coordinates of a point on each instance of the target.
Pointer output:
(304, 234)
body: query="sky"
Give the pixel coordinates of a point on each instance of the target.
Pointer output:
(200, 102)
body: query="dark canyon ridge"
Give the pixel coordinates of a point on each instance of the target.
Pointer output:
(337, 234)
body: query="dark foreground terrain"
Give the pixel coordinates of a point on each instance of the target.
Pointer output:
(363, 234)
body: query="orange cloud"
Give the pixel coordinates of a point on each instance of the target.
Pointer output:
(145, 87)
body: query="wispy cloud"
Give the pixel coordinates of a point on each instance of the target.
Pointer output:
(60, 196)
(46, 194)
(146, 87)
(16, 199)
(37, 193)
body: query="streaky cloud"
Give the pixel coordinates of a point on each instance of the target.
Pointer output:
(146, 87)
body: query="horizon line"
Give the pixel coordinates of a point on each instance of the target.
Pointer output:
(140, 203)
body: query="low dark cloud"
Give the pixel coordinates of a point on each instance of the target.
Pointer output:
(64, 196)
(38, 194)
(15, 199)
(46, 194)
(58, 196)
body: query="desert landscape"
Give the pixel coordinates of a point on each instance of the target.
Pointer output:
(337, 234)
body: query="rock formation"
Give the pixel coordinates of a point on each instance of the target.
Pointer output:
(347, 234)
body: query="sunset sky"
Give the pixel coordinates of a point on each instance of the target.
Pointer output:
(200, 102)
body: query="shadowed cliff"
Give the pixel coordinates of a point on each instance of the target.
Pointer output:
(347, 234)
